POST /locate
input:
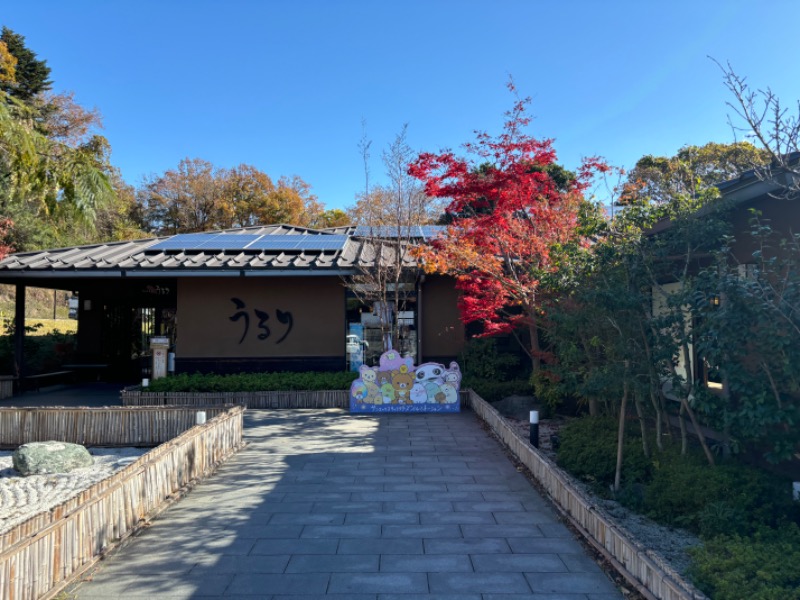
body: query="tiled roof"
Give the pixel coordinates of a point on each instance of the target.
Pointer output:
(138, 257)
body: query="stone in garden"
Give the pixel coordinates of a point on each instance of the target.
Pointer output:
(43, 458)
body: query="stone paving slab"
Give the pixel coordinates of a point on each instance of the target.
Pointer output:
(322, 504)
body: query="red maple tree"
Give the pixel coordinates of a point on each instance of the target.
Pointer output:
(511, 207)
(6, 226)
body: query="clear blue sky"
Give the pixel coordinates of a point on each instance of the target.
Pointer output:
(285, 85)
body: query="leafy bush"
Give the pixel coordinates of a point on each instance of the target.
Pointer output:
(684, 491)
(725, 499)
(483, 359)
(254, 382)
(763, 567)
(589, 451)
(44, 352)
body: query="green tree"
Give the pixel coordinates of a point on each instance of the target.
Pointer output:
(31, 77)
(694, 169)
(53, 168)
(196, 196)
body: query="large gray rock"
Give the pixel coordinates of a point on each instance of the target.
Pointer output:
(41, 458)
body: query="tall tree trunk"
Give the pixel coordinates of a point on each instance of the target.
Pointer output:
(533, 330)
(700, 436)
(690, 412)
(652, 387)
(621, 430)
(682, 423)
(659, 418)
(637, 401)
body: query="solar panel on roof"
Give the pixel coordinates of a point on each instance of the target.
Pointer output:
(240, 241)
(432, 231)
(229, 241)
(392, 231)
(299, 242)
(183, 241)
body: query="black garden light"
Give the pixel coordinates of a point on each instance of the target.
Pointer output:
(535, 428)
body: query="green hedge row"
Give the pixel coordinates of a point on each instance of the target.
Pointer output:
(287, 381)
(765, 566)
(254, 382)
(745, 515)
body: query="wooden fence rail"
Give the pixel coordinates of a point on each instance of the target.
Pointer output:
(254, 400)
(653, 577)
(41, 556)
(300, 399)
(122, 426)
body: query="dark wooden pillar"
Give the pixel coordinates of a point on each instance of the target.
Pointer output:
(19, 332)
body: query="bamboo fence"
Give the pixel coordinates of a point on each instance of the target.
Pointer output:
(39, 557)
(256, 400)
(114, 426)
(253, 400)
(644, 569)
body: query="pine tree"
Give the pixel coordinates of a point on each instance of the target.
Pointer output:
(32, 75)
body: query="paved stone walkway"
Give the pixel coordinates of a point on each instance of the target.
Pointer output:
(322, 504)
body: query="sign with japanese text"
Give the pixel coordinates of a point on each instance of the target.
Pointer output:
(261, 317)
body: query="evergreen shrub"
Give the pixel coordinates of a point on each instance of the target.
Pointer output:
(254, 382)
(589, 451)
(765, 566)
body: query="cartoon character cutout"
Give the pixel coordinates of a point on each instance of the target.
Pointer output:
(397, 386)
(386, 387)
(431, 377)
(358, 391)
(391, 360)
(368, 378)
(452, 383)
(418, 394)
(402, 382)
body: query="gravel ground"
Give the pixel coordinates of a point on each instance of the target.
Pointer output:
(23, 497)
(665, 542)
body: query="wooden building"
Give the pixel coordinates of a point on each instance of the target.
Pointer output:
(252, 299)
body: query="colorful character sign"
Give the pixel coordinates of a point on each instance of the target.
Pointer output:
(396, 385)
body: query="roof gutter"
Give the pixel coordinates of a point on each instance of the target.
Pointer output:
(141, 274)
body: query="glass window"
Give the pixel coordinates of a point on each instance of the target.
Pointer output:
(366, 340)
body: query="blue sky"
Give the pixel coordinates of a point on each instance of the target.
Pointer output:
(284, 86)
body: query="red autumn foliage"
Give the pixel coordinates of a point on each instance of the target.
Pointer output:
(511, 208)
(5, 230)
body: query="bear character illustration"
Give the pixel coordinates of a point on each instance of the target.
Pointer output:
(368, 377)
(402, 382)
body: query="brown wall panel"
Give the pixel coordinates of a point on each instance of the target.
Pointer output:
(442, 331)
(313, 305)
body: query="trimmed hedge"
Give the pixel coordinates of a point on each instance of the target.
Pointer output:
(763, 567)
(588, 450)
(684, 491)
(745, 516)
(254, 382)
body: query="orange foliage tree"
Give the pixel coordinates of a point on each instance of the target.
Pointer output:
(512, 209)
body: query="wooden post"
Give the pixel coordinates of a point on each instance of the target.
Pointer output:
(19, 332)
